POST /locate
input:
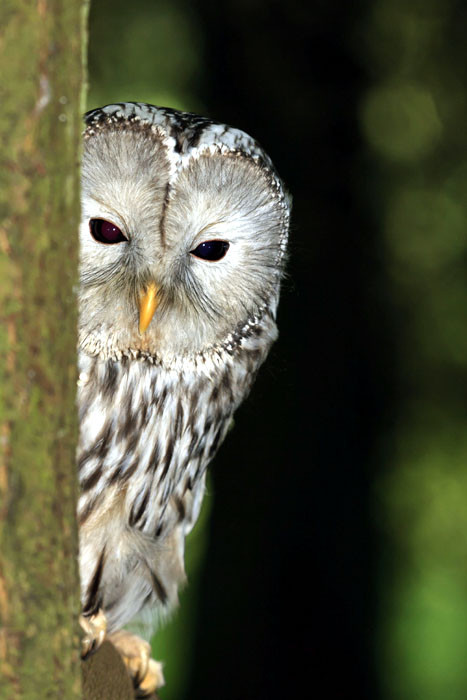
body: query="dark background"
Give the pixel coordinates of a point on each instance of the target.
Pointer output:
(330, 560)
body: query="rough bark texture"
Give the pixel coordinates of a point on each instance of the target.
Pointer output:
(40, 125)
(105, 676)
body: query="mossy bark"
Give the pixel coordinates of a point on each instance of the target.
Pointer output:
(40, 125)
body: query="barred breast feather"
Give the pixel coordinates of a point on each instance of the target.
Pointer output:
(147, 434)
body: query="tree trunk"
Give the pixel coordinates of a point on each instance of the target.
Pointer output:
(40, 125)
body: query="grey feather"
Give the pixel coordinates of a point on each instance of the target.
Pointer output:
(155, 407)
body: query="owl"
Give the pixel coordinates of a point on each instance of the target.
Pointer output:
(183, 241)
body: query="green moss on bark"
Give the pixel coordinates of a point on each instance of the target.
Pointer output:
(40, 125)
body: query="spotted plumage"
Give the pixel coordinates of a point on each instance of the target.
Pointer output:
(183, 239)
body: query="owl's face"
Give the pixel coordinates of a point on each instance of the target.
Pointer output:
(182, 238)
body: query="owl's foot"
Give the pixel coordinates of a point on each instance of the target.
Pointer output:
(95, 628)
(136, 653)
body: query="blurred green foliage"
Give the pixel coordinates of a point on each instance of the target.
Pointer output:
(144, 52)
(414, 118)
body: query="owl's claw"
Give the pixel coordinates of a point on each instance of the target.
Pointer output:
(136, 653)
(95, 628)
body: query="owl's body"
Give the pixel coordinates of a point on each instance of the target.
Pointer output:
(156, 397)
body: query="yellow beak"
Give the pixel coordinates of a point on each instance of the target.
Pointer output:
(148, 303)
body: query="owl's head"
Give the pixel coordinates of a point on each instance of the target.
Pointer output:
(183, 233)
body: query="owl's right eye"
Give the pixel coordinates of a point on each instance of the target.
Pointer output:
(105, 232)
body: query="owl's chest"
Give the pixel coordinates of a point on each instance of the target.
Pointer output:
(147, 434)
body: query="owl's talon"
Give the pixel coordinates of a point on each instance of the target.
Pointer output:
(153, 679)
(145, 672)
(95, 629)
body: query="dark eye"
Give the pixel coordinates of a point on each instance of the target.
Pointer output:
(106, 232)
(211, 250)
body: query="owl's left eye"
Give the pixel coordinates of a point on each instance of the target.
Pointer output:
(211, 250)
(105, 231)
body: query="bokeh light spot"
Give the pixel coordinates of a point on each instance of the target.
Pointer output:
(401, 121)
(426, 229)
